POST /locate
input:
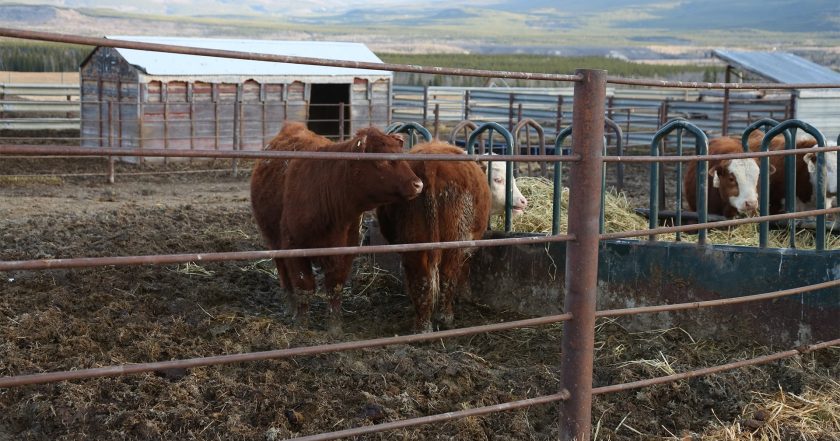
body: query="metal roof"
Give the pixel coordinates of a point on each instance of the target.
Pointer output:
(169, 64)
(781, 67)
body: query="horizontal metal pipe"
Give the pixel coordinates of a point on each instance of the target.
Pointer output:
(163, 259)
(448, 416)
(718, 302)
(111, 371)
(564, 395)
(704, 85)
(718, 224)
(336, 347)
(689, 158)
(50, 150)
(715, 369)
(155, 173)
(93, 41)
(107, 42)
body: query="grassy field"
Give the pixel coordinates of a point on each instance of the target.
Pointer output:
(11, 77)
(536, 63)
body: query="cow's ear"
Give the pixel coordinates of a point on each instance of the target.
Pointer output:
(361, 144)
(399, 137)
(483, 165)
(811, 161)
(713, 172)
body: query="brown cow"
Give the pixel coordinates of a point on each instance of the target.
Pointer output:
(305, 203)
(736, 181)
(455, 206)
(806, 173)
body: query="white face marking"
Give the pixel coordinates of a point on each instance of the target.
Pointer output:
(831, 172)
(497, 192)
(746, 173)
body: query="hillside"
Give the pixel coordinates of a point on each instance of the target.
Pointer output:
(635, 30)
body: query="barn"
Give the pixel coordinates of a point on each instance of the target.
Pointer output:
(820, 107)
(156, 100)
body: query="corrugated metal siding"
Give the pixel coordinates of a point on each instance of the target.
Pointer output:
(172, 64)
(822, 110)
(781, 67)
(637, 111)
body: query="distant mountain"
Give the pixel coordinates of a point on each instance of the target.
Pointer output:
(623, 27)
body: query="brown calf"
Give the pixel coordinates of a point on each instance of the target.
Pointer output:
(454, 206)
(306, 203)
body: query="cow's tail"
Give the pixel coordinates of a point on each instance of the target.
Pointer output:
(432, 200)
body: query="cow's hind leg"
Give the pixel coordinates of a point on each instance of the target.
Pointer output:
(286, 289)
(453, 273)
(422, 284)
(336, 271)
(299, 273)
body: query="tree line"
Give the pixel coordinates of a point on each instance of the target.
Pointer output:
(41, 57)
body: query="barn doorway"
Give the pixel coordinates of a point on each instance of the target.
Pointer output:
(324, 117)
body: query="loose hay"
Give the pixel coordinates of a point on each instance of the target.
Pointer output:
(619, 217)
(26, 181)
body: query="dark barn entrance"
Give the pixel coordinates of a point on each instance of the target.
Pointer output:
(324, 100)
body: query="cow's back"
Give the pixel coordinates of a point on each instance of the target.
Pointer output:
(269, 176)
(454, 205)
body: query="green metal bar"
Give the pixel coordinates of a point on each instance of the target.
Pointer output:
(765, 143)
(558, 142)
(471, 140)
(701, 148)
(790, 175)
(558, 187)
(678, 221)
(411, 129)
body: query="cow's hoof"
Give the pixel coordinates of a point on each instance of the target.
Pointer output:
(334, 328)
(423, 328)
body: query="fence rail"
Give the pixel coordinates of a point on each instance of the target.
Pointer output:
(583, 238)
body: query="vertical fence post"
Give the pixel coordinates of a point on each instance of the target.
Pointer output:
(341, 122)
(724, 120)
(582, 255)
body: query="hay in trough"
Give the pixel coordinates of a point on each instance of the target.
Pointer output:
(619, 216)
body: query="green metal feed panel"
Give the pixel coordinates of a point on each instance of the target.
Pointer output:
(530, 279)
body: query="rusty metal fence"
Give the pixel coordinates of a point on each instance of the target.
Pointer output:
(586, 161)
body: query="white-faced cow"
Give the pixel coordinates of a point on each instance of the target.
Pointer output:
(497, 190)
(306, 203)
(732, 185)
(806, 173)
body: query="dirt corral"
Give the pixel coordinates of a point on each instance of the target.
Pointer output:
(73, 319)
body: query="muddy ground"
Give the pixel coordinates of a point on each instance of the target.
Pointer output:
(74, 319)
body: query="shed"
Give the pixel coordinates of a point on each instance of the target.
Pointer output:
(819, 107)
(158, 100)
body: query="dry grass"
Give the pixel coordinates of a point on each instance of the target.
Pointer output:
(39, 77)
(619, 216)
(812, 415)
(25, 181)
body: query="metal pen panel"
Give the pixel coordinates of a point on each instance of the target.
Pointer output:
(701, 147)
(489, 127)
(764, 227)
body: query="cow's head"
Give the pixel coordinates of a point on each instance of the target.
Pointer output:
(497, 190)
(829, 174)
(737, 182)
(381, 182)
